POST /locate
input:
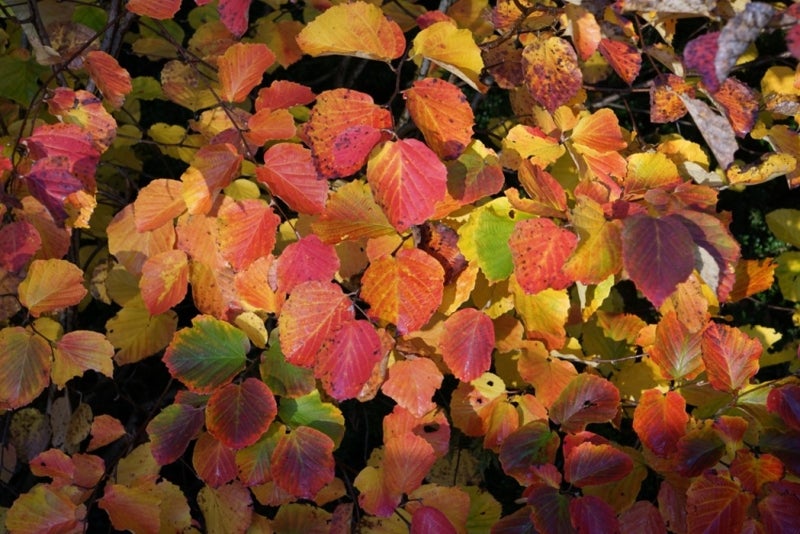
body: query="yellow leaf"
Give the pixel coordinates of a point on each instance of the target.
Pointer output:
(51, 285)
(452, 49)
(358, 29)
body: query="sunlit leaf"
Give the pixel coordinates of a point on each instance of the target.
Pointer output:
(451, 48)
(586, 399)
(412, 384)
(172, 430)
(539, 249)
(624, 58)
(305, 260)
(302, 462)
(206, 355)
(311, 411)
(51, 285)
(467, 343)
(351, 213)
(432, 426)
(164, 281)
(238, 414)
(226, 509)
(730, 355)
(407, 460)
(552, 74)
(137, 334)
(530, 143)
(313, 312)
(158, 203)
(677, 350)
(740, 104)
(405, 289)
(357, 29)
(86, 110)
(241, 68)
(212, 168)
(343, 128)
(442, 113)
(346, 360)
(665, 103)
(544, 314)
(45, 509)
(660, 421)
(599, 251)
(113, 81)
(585, 30)
(247, 231)
(79, 351)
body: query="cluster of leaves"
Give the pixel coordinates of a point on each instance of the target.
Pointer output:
(552, 288)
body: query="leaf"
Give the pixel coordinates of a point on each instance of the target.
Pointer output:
(778, 510)
(134, 509)
(155, 9)
(290, 174)
(164, 281)
(283, 94)
(660, 421)
(113, 81)
(530, 143)
(246, 231)
(539, 249)
(740, 104)
(715, 129)
(624, 58)
(105, 430)
(305, 260)
(213, 167)
(452, 48)
(302, 462)
(412, 384)
(343, 128)
(677, 350)
(51, 285)
(158, 203)
(442, 113)
(544, 314)
(754, 472)
(432, 426)
(665, 102)
(441, 242)
(131, 247)
(351, 213)
(467, 343)
(700, 55)
(407, 180)
(599, 251)
(589, 464)
(657, 253)
(19, 241)
(531, 445)
(358, 29)
(214, 461)
(731, 357)
(585, 30)
(552, 74)
(87, 111)
(427, 519)
(241, 68)
(78, 351)
(650, 170)
(407, 459)
(752, 276)
(313, 312)
(226, 509)
(238, 414)
(346, 360)
(172, 430)
(405, 289)
(137, 334)
(550, 510)
(284, 379)
(700, 449)
(45, 509)
(716, 502)
(586, 399)
(26, 360)
(311, 411)
(206, 355)
(737, 35)
(785, 401)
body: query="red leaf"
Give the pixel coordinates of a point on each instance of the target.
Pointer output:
(283, 94)
(700, 449)
(642, 517)
(531, 445)
(405, 290)
(214, 461)
(716, 504)
(290, 174)
(731, 357)
(624, 58)
(590, 465)
(427, 519)
(342, 129)
(740, 103)
(172, 430)
(241, 68)
(539, 249)
(346, 360)
(131, 508)
(442, 113)
(586, 399)
(660, 421)
(432, 426)
(657, 253)
(407, 179)
(699, 55)
(313, 312)
(164, 280)
(247, 231)
(238, 414)
(591, 514)
(785, 401)
(676, 349)
(467, 343)
(113, 81)
(271, 125)
(302, 462)
(754, 472)
(550, 510)
(305, 260)
(781, 507)
(412, 383)
(407, 460)
(19, 241)
(234, 15)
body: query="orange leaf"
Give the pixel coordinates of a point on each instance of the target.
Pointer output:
(585, 30)
(241, 68)
(740, 104)
(405, 290)
(407, 460)
(213, 167)
(247, 231)
(155, 9)
(45, 509)
(25, 359)
(214, 461)
(357, 29)
(312, 313)
(624, 58)
(548, 375)
(599, 132)
(251, 287)
(270, 125)
(660, 421)
(158, 203)
(552, 73)
(352, 214)
(730, 355)
(467, 343)
(412, 384)
(677, 350)
(79, 351)
(132, 248)
(135, 509)
(112, 80)
(752, 276)
(665, 102)
(283, 94)
(164, 280)
(539, 249)
(442, 113)
(51, 285)
(407, 180)
(105, 429)
(290, 174)
(343, 128)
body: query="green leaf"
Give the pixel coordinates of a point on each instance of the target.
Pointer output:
(788, 275)
(311, 411)
(207, 355)
(785, 224)
(21, 79)
(282, 377)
